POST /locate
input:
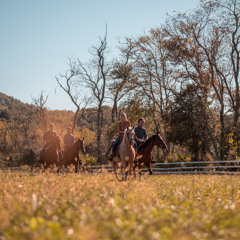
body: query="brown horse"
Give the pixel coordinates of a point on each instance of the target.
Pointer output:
(71, 155)
(50, 154)
(126, 153)
(144, 152)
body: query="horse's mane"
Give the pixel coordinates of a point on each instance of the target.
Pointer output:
(75, 142)
(125, 132)
(124, 135)
(146, 143)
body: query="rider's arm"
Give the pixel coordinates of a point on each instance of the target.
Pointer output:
(145, 137)
(140, 140)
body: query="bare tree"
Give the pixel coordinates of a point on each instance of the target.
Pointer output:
(151, 74)
(120, 77)
(40, 103)
(228, 24)
(68, 83)
(94, 76)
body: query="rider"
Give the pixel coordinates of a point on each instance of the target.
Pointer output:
(140, 132)
(68, 139)
(122, 125)
(48, 138)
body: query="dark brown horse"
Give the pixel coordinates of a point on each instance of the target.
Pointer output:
(71, 155)
(144, 152)
(50, 154)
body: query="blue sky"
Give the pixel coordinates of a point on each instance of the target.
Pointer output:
(37, 37)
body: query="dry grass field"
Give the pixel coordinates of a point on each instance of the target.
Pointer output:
(82, 206)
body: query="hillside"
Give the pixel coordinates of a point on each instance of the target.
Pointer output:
(9, 104)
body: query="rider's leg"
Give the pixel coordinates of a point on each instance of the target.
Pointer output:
(41, 152)
(136, 145)
(114, 148)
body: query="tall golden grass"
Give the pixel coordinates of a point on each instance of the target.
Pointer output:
(81, 206)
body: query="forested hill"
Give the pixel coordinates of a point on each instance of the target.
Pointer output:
(9, 106)
(14, 111)
(7, 102)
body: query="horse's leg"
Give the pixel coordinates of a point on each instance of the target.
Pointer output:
(139, 170)
(124, 167)
(125, 172)
(134, 167)
(76, 166)
(45, 165)
(115, 168)
(60, 166)
(130, 167)
(149, 168)
(60, 160)
(79, 162)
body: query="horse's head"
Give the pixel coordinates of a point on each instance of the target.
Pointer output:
(160, 142)
(130, 135)
(81, 145)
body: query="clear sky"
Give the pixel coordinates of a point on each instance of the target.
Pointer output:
(38, 36)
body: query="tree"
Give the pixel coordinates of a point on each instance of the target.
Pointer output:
(40, 102)
(122, 77)
(69, 84)
(95, 76)
(188, 120)
(151, 81)
(199, 48)
(227, 23)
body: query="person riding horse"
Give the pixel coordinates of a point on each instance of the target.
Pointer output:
(122, 125)
(140, 133)
(68, 139)
(141, 136)
(49, 138)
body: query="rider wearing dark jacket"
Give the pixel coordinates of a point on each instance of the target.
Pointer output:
(140, 132)
(48, 137)
(68, 139)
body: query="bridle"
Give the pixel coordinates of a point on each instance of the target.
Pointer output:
(131, 140)
(81, 145)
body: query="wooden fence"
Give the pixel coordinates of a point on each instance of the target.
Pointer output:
(198, 167)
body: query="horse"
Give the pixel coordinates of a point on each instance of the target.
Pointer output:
(126, 152)
(50, 154)
(144, 152)
(71, 155)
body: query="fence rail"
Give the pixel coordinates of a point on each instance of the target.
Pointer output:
(201, 167)
(206, 167)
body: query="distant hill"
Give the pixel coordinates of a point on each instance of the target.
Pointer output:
(7, 102)
(8, 106)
